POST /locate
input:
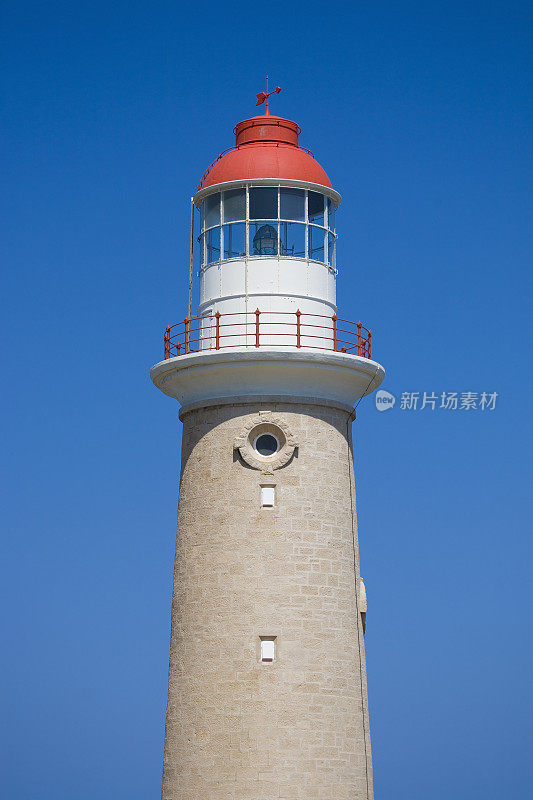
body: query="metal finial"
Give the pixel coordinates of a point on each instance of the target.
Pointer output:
(262, 96)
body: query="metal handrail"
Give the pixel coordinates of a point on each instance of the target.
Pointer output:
(201, 333)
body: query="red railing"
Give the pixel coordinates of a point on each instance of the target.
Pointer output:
(267, 329)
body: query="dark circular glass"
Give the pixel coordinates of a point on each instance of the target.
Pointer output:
(266, 444)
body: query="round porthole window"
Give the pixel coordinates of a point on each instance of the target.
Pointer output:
(266, 444)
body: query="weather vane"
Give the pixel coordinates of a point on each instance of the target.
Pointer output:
(262, 96)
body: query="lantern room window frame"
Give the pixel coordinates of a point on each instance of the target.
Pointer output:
(209, 234)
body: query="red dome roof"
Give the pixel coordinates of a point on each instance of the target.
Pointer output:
(266, 147)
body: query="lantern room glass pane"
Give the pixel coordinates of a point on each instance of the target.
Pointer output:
(264, 239)
(331, 249)
(213, 245)
(316, 243)
(292, 204)
(201, 248)
(292, 239)
(315, 207)
(235, 240)
(331, 215)
(212, 210)
(264, 202)
(234, 205)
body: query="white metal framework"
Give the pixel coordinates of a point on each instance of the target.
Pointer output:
(258, 220)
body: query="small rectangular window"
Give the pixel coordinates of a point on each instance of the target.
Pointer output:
(331, 249)
(268, 649)
(264, 203)
(267, 496)
(235, 240)
(316, 243)
(213, 245)
(315, 203)
(292, 204)
(212, 210)
(201, 239)
(235, 205)
(292, 239)
(264, 239)
(331, 215)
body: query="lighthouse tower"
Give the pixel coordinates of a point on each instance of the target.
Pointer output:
(267, 684)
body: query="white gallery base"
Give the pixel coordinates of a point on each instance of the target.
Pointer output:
(224, 374)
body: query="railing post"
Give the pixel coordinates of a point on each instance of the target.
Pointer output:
(334, 318)
(166, 339)
(298, 315)
(369, 344)
(358, 338)
(178, 348)
(187, 324)
(257, 312)
(217, 330)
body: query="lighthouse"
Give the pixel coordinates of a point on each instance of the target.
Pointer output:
(267, 692)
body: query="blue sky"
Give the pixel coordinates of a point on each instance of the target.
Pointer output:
(420, 114)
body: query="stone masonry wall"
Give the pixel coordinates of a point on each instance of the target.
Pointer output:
(237, 728)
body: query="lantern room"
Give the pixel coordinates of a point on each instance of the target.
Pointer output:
(259, 220)
(267, 234)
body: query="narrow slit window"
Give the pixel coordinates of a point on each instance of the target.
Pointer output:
(268, 650)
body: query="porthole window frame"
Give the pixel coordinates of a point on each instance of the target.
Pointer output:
(277, 427)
